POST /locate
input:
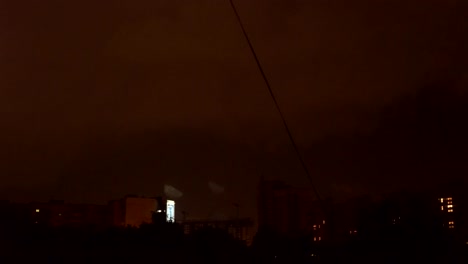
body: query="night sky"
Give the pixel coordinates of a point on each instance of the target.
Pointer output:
(99, 99)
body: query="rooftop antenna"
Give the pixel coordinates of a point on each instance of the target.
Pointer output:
(267, 83)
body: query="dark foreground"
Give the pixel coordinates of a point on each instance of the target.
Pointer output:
(166, 243)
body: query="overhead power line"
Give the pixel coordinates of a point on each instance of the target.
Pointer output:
(283, 119)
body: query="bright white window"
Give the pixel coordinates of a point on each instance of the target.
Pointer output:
(37, 210)
(170, 211)
(450, 206)
(442, 208)
(450, 210)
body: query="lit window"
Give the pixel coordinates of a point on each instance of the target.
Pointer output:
(323, 222)
(159, 211)
(315, 239)
(315, 227)
(450, 222)
(451, 226)
(449, 202)
(350, 231)
(319, 226)
(442, 208)
(449, 199)
(441, 200)
(450, 210)
(450, 206)
(320, 238)
(60, 214)
(37, 210)
(355, 231)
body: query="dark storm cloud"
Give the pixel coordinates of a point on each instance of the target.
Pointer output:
(103, 98)
(415, 142)
(330, 57)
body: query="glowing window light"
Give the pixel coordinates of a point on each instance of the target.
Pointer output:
(315, 238)
(449, 202)
(450, 206)
(320, 238)
(450, 222)
(450, 210)
(37, 210)
(451, 226)
(442, 207)
(449, 199)
(323, 222)
(441, 200)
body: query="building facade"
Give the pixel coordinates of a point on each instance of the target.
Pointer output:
(289, 211)
(58, 213)
(133, 211)
(130, 211)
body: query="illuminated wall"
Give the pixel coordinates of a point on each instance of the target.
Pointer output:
(170, 211)
(139, 210)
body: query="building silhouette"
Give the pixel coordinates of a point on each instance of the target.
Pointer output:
(288, 210)
(240, 229)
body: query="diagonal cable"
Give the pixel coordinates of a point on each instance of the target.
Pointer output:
(283, 119)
